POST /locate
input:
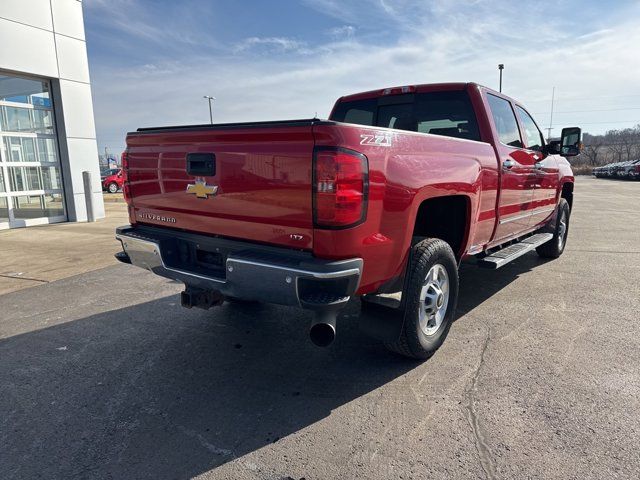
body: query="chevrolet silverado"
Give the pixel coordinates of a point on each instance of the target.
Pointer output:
(390, 194)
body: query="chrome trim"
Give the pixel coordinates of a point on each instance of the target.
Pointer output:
(241, 274)
(537, 211)
(147, 254)
(320, 275)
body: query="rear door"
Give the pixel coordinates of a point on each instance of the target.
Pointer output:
(517, 175)
(546, 169)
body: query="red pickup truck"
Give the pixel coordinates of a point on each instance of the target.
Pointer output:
(389, 194)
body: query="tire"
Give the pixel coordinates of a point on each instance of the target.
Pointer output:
(554, 247)
(429, 307)
(112, 187)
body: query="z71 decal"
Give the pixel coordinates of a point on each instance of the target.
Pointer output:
(376, 139)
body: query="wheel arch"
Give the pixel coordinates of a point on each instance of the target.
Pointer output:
(446, 217)
(566, 192)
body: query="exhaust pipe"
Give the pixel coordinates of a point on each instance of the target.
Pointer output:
(323, 329)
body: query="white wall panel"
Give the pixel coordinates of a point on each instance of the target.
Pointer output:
(72, 59)
(27, 49)
(67, 18)
(32, 12)
(78, 109)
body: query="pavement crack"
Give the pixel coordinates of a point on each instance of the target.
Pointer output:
(484, 453)
(19, 277)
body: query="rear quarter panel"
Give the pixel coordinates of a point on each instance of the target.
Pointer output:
(403, 172)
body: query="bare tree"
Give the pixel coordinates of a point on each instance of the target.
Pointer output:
(593, 146)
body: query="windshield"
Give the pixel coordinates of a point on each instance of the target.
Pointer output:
(438, 113)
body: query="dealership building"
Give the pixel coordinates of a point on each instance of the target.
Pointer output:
(47, 130)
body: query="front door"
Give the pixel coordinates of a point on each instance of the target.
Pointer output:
(545, 168)
(517, 173)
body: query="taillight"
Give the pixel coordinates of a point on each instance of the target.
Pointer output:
(340, 187)
(126, 190)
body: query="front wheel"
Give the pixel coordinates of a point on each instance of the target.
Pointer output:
(554, 247)
(430, 299)
(113, 187)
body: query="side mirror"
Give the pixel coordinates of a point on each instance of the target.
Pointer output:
(570, 142)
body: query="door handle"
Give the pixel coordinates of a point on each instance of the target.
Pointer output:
(508, 164)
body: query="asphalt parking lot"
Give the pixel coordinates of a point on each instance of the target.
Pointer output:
(104, 375)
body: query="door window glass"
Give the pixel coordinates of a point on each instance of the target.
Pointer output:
(505, 121)
(535, 140)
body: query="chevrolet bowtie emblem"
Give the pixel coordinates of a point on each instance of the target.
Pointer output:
(201, 189)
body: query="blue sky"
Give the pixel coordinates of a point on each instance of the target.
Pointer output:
(152, 61)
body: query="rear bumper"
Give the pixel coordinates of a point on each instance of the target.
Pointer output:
(240, 269)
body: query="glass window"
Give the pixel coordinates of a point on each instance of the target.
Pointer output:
(47, 150)
(535, 140)
(4, 208)
(25, 178)
(23, 90)
(51, 178)
(438, 113)
(26, 207)
(53, 206)
(2, 187)
(16, 119)
(43, 121)
(361, 113)
(20, 149)
(505, 121)
(397, 116)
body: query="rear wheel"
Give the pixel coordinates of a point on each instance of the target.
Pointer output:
(429, 298)
(113, 187)
(554, 247)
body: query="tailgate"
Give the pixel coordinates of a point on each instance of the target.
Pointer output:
(258, 188)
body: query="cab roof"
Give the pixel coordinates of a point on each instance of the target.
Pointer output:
(425, 87)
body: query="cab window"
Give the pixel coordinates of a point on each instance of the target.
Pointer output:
(505, 121)
(446, 113)
(535, 140)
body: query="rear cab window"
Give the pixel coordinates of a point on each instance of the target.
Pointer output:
(446, 113)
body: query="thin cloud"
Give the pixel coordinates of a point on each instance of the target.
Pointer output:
(272, 44)
(279, 77)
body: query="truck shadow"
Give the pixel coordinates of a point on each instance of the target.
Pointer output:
(153, 391)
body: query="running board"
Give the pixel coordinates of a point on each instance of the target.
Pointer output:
(510, 253)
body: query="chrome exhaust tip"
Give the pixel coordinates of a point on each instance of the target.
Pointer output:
(323, 329)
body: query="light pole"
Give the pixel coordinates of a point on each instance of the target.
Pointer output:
(500, 67)
(553, 94)
(208, 97)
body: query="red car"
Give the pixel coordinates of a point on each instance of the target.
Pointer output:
(112, 180)
(390, 194)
